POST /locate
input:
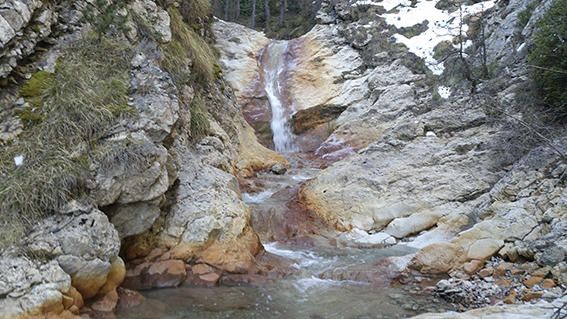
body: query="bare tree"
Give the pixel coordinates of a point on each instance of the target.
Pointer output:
(237, 10)
(253, 18)
(226, 7)
(283, 8)
(267, 14)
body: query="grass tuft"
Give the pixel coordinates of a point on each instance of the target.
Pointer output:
(200, 125)
(194, 10)
(80, 102)
(188, 48)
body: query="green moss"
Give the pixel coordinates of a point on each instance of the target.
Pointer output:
(34, 89)
(30, 116)
(218, 71)
(548, 57)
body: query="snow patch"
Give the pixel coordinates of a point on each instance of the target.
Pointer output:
(19, 160)
(442, 26)
(444, 92)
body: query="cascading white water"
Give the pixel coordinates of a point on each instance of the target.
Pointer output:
(273, 65)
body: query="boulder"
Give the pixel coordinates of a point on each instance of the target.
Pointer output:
(153, 16)
(142, 178)
(209, 219)
(84, 243)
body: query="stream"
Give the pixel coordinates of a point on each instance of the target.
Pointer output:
(326, 278)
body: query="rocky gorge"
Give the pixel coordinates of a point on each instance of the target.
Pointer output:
(351, 172)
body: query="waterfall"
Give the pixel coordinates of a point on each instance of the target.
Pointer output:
(273, 65)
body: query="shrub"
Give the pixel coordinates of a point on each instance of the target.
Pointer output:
(194, 10)
(547, 57)
(525, 15)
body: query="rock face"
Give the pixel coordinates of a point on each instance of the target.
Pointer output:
(23, 24)
(30, 288)
(314, 61)
(414, 156)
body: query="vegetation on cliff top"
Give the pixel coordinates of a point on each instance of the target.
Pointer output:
(548, 57)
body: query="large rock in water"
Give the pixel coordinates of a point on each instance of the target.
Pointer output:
(208, 219)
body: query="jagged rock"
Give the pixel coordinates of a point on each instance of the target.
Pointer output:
(153, 16)
(143, 177)
(551, 256)
(154, 95)
(31, 288)
(134, 219)
(23, 24)
(278, 169)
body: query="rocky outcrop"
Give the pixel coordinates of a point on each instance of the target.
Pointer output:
(167, 196)
(209, 219)
(23, 24)
(32, 288)
(241, 48)
(314, 61)
(81, 247)
(414, 156)
(542, 310)
(523, 207)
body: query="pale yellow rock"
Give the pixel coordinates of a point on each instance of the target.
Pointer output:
(484, 248)
(115, 276)
(253, 156)
(437, 258)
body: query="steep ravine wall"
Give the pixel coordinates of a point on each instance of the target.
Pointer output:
(161, 205)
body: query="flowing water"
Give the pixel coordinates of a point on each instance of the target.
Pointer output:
(324, 279)
(274, 67)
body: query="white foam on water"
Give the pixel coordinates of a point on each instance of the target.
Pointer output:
(255, 198)
(303, 259)
(305, 284)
